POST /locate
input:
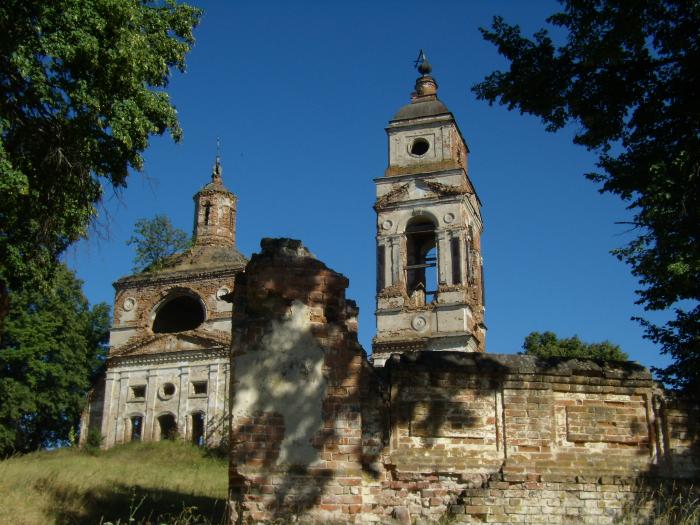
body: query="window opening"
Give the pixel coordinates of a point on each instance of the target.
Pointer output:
(207, 209)
(421, 258)
(199, 387)
(136, 428)
(420, 147)
(167, 390)
(380, 268)
(168, 426)
(138, 392)
(198, 428)
(178, 315)
(455, 250)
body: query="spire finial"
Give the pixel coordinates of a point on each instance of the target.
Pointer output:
(216, 173)
(425, 84)
(422, 64)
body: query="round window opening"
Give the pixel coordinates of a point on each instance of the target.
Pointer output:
(178, 315)
(167, 390)
(420, 147)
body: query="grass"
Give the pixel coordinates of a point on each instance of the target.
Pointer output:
(671, 505)
(167, 482)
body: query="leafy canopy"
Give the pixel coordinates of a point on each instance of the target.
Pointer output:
(547, 344)
(629, 76)
(82, 88)
(51, 350)
(155, 240)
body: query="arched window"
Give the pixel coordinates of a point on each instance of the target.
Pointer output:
(207, 211)
(177, 314)
(421, 260)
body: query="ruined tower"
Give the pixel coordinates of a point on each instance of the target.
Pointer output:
(168, 368)
(430, 293)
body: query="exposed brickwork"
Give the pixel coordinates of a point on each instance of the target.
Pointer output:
(486, 438)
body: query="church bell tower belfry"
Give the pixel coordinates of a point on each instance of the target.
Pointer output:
(430, 292)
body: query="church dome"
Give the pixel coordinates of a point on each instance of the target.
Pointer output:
(424, 108)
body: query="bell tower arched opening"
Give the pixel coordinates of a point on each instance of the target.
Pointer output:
(421, 260)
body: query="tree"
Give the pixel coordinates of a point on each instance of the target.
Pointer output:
(629, 77)
(51, 350)
(547, 344)
(155, 240)
(82, 89)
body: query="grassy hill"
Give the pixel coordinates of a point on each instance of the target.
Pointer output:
(140, 483)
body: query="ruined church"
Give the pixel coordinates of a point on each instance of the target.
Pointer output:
(430, 426)
(168, 364)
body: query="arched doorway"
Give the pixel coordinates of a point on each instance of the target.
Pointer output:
(136, 423)
(198, 428)
(167, 426)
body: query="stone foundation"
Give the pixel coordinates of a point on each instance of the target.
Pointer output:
(320, 435)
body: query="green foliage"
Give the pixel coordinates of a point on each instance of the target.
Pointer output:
(628, 77)
(83, 89)
(51, 350)
(155, 240)
(547, 344)
(94, 439)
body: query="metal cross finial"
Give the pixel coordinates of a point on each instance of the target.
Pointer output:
(216, 174)
(421, 63)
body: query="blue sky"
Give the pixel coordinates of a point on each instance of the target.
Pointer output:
(300, 94)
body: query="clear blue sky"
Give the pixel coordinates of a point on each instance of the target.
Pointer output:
(300, 93)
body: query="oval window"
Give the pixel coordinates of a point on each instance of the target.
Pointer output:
(420, 147)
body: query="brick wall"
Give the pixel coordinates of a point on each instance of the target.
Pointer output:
(320, 434)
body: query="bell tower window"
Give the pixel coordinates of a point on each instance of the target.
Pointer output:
(207, 210)
(421, 261)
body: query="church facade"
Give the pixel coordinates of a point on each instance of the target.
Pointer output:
(168, 365)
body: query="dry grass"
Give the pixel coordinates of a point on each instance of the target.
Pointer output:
(168, 482)
(672, 505)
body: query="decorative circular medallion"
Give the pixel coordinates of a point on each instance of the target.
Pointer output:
(222, 292)
(449, 218)
(419, 323)
(387, 224)
(129, 304)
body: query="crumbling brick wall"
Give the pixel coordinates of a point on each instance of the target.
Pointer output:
(317, 432)
(296, 382)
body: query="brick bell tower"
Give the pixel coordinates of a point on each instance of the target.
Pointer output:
(430, 287)
(215, 212)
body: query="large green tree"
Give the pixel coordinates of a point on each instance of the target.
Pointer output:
(155, 240)
(52, 347)
(547, 344)
(627, 74)
(82, 88)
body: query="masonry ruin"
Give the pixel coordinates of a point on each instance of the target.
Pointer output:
(430, 427)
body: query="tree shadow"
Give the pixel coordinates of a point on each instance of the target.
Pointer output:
(122, 503)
